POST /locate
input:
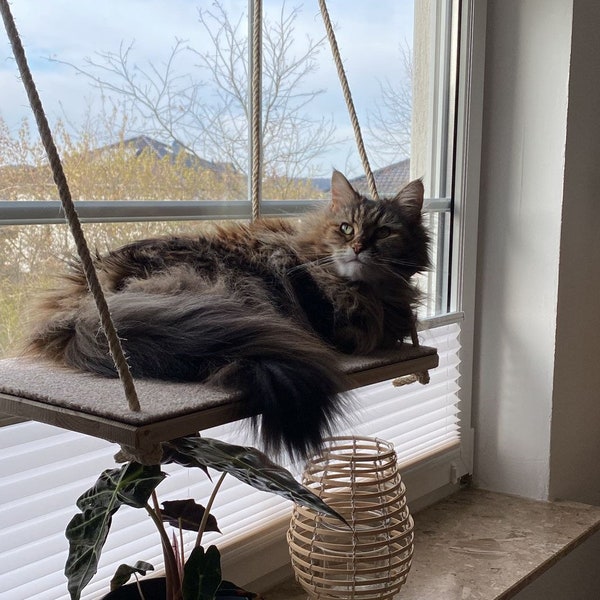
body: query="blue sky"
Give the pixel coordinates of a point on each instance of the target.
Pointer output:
(369, 34)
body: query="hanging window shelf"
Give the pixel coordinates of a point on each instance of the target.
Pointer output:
(96, 405)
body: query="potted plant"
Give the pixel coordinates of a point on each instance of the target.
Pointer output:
(197, 577)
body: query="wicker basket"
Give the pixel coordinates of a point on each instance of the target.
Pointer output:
(370, 560)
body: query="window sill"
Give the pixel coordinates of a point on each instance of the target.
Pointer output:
(485, 546)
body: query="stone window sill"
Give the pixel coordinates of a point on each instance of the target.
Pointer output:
(484, 546)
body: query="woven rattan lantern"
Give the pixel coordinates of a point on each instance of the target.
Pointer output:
(369, 560)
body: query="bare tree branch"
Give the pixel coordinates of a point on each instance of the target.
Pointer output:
(389, 124)
(205, 110)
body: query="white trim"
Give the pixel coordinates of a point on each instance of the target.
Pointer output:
(440, 320)
(48, 212)
(466, 201)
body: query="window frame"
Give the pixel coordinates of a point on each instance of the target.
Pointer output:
(49, 212)
(460, 178)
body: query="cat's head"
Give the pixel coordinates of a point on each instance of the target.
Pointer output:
(376, 240)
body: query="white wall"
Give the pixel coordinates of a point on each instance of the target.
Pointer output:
(524, 132)
(537, 365)
(575, 440)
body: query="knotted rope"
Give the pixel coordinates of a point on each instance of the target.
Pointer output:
(114, 343)
(421, 377)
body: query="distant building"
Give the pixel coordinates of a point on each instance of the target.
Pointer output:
(389, 180)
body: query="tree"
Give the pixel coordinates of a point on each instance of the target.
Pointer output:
(30, 254)
(390, 122)
(205, 111)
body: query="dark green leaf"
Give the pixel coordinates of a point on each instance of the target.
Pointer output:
(124, 572)
(202, 574)
(250, 466)
(130, 484)
(172, 455)
(188, 515)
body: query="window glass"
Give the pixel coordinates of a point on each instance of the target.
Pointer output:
(33, 254)
(151, 104)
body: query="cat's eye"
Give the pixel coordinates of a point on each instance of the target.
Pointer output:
(383, 232)
(346, 229)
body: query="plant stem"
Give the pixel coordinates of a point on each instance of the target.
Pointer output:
(207, 509)
(171, 571)
(139, 587)
(181, 551)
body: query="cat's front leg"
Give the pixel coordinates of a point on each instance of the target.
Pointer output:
(358, 323)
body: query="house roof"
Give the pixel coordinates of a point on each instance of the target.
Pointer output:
(389, 180)
(141, 143)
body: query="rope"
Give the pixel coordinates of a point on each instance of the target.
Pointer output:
(424, 376)
(114, 343)
(348, 97)
(256, 112)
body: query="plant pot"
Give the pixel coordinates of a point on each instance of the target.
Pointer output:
(156, 588)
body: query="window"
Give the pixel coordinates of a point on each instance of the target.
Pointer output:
(154, 138)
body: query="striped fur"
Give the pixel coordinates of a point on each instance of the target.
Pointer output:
(257, 308)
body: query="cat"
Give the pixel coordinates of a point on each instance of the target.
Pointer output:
(262, 308)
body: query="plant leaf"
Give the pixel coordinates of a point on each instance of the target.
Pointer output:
(202, 574)
(187, 514)
(172, 455)
(130, 484)
(124, 572)
(250, 466)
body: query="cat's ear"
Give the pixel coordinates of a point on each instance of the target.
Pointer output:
(341, 191)
(410, 198)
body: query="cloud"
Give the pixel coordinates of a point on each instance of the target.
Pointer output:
(369, 34)
(70, 31)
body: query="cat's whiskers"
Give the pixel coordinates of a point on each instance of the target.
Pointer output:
(402, 263)
(321, 261)
(392, 273)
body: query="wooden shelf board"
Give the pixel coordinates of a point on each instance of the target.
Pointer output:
(22, 391)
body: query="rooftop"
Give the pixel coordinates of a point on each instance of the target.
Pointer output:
(389, 180)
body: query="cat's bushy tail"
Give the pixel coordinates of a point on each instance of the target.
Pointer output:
(284, 373)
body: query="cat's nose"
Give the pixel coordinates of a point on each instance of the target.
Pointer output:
(357, 247)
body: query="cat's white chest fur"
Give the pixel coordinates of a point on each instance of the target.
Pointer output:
(351, 265)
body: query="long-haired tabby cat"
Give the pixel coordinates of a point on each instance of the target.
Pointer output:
(258, 308)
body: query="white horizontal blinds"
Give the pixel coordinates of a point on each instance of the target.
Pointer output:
(416, 418)
(43, 470)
